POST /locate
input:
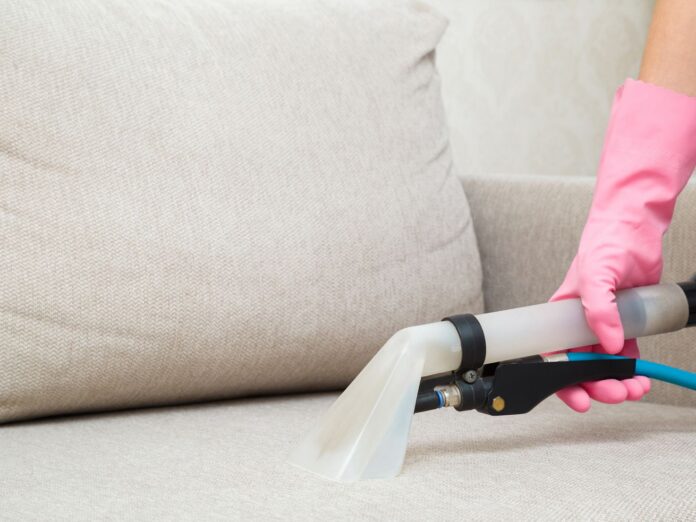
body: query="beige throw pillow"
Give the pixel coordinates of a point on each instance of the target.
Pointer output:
(207, 199)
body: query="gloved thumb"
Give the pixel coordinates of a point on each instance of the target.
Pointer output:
(602, 314)
(568, 289)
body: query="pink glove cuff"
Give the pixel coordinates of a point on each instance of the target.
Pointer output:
(649, 153)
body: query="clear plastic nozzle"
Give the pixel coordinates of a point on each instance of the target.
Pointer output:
(365, 432)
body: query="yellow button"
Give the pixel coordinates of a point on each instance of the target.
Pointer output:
(498, 403)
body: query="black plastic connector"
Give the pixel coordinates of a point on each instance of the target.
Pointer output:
(474, 395)
(472, 339)
(689, 288)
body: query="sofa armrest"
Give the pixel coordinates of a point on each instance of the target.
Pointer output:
(528, 228)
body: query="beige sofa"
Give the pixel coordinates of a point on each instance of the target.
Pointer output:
(241, 199)
(226, 460)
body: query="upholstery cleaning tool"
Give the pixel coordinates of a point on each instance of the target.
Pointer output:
(488, 362)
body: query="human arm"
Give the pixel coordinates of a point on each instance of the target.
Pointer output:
(648, 156)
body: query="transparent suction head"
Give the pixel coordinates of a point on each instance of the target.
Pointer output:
(365, 432)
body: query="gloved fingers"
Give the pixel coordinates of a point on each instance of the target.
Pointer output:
(638, 386)
(575, 397)
(630, 349)
(568, 288)
(634, 389)
(565, 291)
(644, 382)
(610, 391)
(602, 315)
(599, 301)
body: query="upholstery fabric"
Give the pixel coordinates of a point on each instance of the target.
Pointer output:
(528, 229)
(213, 198)
(226, 461)
(528, 84)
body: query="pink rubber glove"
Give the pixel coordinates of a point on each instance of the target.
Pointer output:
(649, 154)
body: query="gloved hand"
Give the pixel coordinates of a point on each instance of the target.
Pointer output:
(649, 154)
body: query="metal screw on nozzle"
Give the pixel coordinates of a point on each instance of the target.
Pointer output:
(470, 376)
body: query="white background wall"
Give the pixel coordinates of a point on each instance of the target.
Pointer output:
(528, 83)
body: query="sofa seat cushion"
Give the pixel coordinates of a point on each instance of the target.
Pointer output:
(226, 460)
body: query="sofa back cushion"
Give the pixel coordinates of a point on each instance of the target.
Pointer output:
(208, 199)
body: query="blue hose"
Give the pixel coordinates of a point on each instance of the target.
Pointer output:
(650, 369)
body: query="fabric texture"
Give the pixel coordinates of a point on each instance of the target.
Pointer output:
(207, 199)
(528, 84)
(526, 249)
(226, 461)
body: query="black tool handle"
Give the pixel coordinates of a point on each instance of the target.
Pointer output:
(519, 387)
